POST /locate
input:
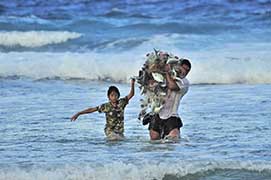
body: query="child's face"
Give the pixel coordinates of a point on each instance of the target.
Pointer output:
(113, 96)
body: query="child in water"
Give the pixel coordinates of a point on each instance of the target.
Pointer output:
(114, 112)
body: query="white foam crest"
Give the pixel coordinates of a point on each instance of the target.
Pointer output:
(35, 38)
(232, 65)
(160, 41)
(24, 19)
(120, 170)
(94, 66)
(236, 63)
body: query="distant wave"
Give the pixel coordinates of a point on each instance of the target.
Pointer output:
(115, 12)
(147, 171)
(183, 27)
(31, 19)
(35, 38)
(85, 24)
(121, 44)
(228, 12)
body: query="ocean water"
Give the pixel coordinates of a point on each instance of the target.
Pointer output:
(59, 57)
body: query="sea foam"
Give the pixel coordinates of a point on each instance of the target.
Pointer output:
(120, 170)
(119, 67)
(33, 39)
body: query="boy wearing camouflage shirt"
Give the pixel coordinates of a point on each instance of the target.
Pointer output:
(114, 111)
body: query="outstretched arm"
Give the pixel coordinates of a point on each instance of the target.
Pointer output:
(86, 111)
(132, 91)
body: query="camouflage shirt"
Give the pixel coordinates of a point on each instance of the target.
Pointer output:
(114, 116)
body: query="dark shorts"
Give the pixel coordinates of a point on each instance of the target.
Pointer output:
(164, 126)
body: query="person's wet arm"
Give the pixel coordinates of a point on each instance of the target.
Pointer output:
(171, 83)
(132, 90)
(86, 111)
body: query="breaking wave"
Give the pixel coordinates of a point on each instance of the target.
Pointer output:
(35, 38)
(68, 65)
(146, 171)
(210, 68)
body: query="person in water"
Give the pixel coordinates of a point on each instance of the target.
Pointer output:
(166, 124)
(114, 112)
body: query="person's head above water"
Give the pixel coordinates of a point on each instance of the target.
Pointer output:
(113, 93)
(184, 67)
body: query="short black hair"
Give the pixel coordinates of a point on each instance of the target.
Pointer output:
(111, 89)
(186, 62)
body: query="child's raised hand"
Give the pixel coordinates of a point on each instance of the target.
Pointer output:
(74, 117)
(132, 80)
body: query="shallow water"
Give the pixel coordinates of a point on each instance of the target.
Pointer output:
(225, 135)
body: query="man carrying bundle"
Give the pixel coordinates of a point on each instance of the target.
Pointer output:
(166, 124)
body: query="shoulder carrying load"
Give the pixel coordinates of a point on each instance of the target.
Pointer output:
(152, 81)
